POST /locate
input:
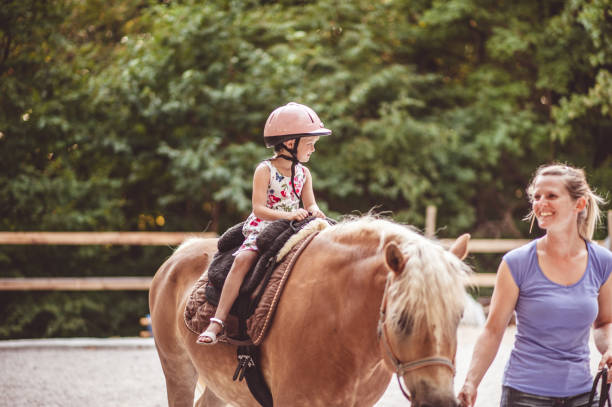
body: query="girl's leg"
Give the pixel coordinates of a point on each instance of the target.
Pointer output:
(240, 267)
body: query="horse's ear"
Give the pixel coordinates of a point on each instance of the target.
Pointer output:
(394, 258)
(460, 247)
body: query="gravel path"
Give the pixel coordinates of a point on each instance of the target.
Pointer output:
(126, 372)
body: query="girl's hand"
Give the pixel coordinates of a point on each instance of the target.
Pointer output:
(606, 361)
(467, 395)
(298, 214)
(318, 213)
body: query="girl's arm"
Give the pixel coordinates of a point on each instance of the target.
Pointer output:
(260, 197)
(503, 301)
(308, 197)
(602, 333)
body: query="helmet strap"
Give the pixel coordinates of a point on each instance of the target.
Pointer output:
(294, 161)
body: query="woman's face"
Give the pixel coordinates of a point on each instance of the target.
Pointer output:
(552, 204)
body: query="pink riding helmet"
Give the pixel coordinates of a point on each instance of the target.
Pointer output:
(291, 121)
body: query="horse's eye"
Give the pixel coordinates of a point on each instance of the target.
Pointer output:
(406, 323)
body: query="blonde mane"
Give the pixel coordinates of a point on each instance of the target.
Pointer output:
(430, 291)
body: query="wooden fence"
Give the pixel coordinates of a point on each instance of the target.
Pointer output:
(99, 238)
(89, 238)
(175, 238)
(162, 238)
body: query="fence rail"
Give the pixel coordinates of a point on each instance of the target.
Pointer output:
(175, 238)
(134, 283)
(167, 238)
(75, 284)
(163, 239)
(99, 238)
(489, 245)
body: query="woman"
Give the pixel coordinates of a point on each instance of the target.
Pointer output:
(559, 286)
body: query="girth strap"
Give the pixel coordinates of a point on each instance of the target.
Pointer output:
(248, 360)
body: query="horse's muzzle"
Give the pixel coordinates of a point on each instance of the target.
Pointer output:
(436, 403)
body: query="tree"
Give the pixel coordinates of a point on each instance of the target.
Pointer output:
(149, 115)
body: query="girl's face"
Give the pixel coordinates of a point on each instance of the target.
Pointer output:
(552, 204)
(305, 148)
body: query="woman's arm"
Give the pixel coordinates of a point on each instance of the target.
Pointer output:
(261, 180)
(308, 197)
(503, 301)
(602, 333)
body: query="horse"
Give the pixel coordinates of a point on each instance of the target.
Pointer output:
(368, 297)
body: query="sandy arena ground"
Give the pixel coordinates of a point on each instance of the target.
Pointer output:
(126, 372)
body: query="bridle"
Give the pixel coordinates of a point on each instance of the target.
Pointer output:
(402, 368)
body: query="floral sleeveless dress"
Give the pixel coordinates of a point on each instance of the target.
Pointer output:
(280, 197)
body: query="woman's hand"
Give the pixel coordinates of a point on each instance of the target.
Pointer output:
(298, 214)
(467, 395)
(606, 361)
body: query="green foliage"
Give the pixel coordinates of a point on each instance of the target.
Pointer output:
(59, 314)
(115, 114)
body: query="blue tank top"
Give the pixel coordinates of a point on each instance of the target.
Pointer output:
(551, 350)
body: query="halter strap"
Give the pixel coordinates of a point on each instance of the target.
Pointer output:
(402, 368)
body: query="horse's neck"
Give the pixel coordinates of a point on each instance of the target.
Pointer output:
(352, 277)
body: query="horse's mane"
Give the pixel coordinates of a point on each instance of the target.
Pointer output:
(430, 291)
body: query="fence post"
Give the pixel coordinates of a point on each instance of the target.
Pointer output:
(610, 230)
(430, 220)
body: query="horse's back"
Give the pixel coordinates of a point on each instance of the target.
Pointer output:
(172, 284)
(181, 270)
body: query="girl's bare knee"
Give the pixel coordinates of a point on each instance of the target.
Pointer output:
(246, 257)
(243, 262)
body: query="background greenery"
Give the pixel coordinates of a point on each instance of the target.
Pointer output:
(148, 115)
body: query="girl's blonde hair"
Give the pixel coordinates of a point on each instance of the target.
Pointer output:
(576, 184)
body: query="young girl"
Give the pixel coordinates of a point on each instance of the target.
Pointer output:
(280, 184)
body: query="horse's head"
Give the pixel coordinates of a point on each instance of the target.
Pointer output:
(420, 314)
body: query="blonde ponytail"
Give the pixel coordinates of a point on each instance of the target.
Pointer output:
(590, 216)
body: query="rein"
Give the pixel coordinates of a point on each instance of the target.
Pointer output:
(604, 394)
(402, 368)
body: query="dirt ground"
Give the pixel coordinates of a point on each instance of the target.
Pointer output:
(126, 372)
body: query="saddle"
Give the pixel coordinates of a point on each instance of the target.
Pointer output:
(280, 245)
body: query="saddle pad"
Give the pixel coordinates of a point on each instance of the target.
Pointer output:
(258, 323)
(198, 310)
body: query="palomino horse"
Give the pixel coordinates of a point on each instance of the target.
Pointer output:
(367, 298)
